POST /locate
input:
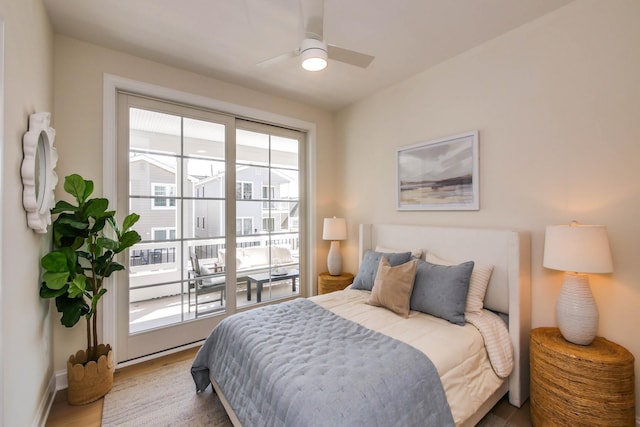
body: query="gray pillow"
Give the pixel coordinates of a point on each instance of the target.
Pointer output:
(441, 290)
(369, 267)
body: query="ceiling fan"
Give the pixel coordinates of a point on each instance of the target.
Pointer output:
(314, 50)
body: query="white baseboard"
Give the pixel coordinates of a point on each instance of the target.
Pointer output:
(159, 354)
(44, 408)
(61, 380)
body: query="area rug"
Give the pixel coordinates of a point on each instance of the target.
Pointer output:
(163, 397)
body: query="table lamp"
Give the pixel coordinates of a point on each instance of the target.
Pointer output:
(334, 229)
(577, 250)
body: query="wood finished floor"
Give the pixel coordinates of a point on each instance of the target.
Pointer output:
(63, 414)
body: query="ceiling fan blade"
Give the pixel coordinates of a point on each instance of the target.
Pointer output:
(351, 57)
(278, 59)
(313, 13)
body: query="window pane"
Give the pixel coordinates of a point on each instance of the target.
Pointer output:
(149, 173)
(251, 211)
(204, 218)
(151, 132)
(286, 184)
(284, 152)
(203, 178)
(154, 219)
(252, 148)
(203, 139)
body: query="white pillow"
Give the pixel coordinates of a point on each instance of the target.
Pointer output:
(204, 271)
(415, 253)
(215, 279)
(477, 284)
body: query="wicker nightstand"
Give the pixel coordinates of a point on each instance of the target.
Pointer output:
(574, 385)
(328, 283)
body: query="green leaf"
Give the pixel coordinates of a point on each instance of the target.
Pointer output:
(63, 206)
(106, 243)
(55, 261)
(77, 286)
(55, 281)
(108, 214)
(72, 309)
(88, 189)
(46, 292)
(114, 266)
(128, 222)
(72, 259)
(128, 239)
(96, 208)
(66, 224)
(75, 185)
(98, 225)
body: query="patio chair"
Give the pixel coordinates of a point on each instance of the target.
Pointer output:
(204, 281)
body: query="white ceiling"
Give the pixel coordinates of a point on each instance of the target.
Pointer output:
(225, 39)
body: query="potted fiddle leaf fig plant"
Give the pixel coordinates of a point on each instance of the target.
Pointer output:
(87, 239)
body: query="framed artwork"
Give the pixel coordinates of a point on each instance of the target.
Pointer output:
(440, 174)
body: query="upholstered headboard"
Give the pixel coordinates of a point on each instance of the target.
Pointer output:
(509, 289)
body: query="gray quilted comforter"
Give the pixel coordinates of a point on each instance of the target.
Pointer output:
(297, 364)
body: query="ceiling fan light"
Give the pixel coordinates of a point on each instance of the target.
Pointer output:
(314, 63)
(314, 55)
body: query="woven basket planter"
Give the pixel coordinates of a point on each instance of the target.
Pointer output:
(574, 385)
(90, 381)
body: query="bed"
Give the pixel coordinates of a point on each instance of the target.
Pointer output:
(260, 385)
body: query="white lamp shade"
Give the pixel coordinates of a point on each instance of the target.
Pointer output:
(334, 229)
(577, 248)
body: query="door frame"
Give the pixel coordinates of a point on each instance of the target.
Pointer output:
(111, 85)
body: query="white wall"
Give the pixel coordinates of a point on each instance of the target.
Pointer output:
(557, 105)
(26, 330)
(79, 69)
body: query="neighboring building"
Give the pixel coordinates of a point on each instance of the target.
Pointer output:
(260, 207)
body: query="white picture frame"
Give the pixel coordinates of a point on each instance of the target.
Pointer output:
(440, 174)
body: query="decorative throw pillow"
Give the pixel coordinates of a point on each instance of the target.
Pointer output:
(441, 290)
(477, 285)
(415, 253)
(393, 285)
(369, 267)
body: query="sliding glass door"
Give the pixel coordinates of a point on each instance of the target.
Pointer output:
(268, 211)
(203, 182)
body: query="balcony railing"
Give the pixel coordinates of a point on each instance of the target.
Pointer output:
(157, 253)
(152, 256)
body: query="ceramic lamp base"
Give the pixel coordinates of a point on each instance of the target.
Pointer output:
(334, 259)
(576, 310)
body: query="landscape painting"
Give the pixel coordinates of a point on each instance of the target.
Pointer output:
(439, 175)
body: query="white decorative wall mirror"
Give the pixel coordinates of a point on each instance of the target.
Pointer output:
(38, 171)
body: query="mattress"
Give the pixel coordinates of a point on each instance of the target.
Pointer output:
(458, 352)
